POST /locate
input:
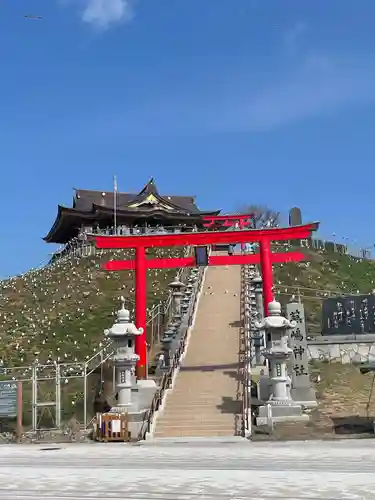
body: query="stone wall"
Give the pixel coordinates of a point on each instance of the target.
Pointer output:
(343, 349)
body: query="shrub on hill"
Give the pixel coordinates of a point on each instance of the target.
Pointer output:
(58, 313)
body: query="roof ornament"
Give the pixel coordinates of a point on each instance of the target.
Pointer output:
(123, 315)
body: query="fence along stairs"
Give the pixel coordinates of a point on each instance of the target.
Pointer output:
(206, 397)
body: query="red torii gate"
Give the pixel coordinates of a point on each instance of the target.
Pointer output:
(140, 264)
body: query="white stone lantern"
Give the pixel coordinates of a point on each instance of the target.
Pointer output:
(123, 334)
(277, 352)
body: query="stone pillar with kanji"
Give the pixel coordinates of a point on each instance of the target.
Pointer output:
(123, 334)
(278, 353)
(298, 365)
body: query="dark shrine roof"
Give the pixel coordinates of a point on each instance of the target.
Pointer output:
(85, 199)
(91, 205)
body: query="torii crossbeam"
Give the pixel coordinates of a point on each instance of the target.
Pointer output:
(265, 258)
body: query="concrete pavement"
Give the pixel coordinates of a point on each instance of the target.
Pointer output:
(196, 469)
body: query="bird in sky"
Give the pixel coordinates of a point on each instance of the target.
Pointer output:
(32, 16)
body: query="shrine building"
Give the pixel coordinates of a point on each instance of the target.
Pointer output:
(136, 213)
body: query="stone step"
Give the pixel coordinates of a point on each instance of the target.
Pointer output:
(197, 415)
(186, 403)
(211, 416)
(196, 399)
(214, 369)
(196, 361)
(205, 377)
(194, 395)
(205, 381)
(190, 392)
(196, 425)
(201, 417)
(194, 433)
(194, 392)
(196, 404)
(218, 368)
(198, 409)
(190, 396)
(190, 389)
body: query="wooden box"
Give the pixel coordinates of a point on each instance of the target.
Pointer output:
(112, 427)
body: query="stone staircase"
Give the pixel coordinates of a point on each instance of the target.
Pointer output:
(206, 398)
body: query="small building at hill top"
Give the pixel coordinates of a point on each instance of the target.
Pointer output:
(94, 212)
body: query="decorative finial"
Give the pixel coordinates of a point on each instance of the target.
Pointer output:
(123, 315)
(274, 308)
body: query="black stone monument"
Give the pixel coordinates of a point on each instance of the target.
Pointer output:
(353, 314)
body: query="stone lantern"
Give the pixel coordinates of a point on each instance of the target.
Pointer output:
(257, 285)
(176, 287)
(278, 353)
(192, 278)
(166, 346)
(194, 271)
(258, 337)
(185, 304)
(189, 289)
(123, 334)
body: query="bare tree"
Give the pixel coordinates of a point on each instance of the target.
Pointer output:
(263, 216)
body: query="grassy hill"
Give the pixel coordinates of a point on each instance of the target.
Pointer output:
(59, 312)
(323, 274)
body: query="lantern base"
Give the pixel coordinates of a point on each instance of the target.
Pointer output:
(281, 413)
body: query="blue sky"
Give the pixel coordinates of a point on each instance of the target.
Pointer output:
(235, 101)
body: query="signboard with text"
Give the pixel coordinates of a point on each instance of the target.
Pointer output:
(8, 399)
(352, 314)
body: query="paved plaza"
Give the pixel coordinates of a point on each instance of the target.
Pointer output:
(201, 469)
